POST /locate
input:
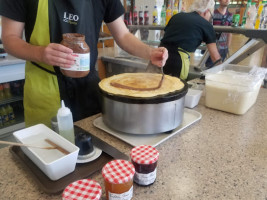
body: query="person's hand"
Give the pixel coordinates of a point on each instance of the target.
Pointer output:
(57, 55)
(159, 56)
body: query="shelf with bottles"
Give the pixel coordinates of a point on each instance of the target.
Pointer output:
(11, 117)
(11, 92)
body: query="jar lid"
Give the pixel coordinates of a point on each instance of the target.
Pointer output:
(118, 171)
(82, 189)
(144, 154)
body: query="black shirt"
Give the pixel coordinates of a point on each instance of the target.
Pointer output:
(187, 31)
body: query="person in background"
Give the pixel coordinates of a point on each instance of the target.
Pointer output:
(222, 17)
(44, 22)
(184, 33)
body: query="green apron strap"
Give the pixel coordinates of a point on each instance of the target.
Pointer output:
(41, 100)
(185, 57)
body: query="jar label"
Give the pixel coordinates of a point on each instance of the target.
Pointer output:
(145, 179)
(123, 196)
(82, 62)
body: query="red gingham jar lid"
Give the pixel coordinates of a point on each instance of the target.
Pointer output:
(118, 171)
(144, 154)
(82, 189)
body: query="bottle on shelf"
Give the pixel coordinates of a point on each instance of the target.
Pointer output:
(141, 16)
(7, 90)
(130, 21)
(146, 16)
(2, 95)
(251, 16)
(168, 14)
(244, 18)
(155, 16)
(258, 18)
(163, 16)
(264, 16)
(135, 17)
(10, 113)
(4, 115)
(65, 123)
(175, 9)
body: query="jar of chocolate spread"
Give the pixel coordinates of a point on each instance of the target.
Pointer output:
(81, 51)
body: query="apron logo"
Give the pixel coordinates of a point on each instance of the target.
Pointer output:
(70, 18)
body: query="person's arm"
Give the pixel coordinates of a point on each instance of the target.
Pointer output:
(134, 46)
(214, 54)
(53, 54)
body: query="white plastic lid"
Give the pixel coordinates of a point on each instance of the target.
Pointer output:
(63, 111)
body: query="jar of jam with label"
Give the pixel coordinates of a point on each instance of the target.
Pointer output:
(81, 51)
(118, 177)
(145, 159)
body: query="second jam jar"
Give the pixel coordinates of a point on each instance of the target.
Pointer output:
(81, 51)
(118, 178)
(145, 159)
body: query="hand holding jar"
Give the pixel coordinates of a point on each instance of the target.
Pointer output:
(81, 52)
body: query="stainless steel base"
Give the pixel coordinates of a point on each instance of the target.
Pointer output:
(143, 118)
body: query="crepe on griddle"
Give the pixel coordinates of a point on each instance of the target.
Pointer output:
(141, 80)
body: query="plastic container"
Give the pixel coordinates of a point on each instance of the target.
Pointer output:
(192, 98)
(53, 163)
(65, 123)
(81, 51)
(234, 89)
(82, 189)
(145, 159)
(118, 177)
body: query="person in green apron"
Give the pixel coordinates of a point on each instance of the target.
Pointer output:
(44, 22)
(184, 33)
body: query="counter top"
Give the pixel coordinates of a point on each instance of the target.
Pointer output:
(10, 60)
(223, 156)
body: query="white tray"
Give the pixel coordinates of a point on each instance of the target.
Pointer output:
(190, 117)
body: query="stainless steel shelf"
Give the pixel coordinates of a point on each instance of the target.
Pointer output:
(11, 100)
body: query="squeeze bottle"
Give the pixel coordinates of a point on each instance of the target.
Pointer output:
(65, 123)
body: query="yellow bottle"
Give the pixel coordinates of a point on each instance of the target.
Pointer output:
(175, 9)
(258, 19)
(168, 14)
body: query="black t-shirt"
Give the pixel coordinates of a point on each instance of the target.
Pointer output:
(187, 31)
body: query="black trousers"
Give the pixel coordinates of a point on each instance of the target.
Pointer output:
(173, 64)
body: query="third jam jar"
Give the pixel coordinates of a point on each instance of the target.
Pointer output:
(81, 51)
(118, 178)
(144, 159)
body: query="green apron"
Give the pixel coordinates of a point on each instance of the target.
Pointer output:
(41, 87)
(185, 63)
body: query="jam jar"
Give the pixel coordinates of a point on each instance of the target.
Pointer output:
(82, 189)
(118, 177)
(145, 159)
(81, 51)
